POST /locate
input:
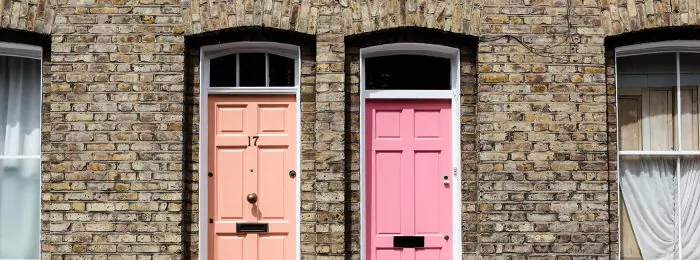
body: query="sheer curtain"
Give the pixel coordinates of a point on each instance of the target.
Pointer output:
(20, 149)
(649, 188)
(690, 208)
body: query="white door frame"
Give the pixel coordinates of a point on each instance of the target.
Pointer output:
(453, 94)
(206, 53)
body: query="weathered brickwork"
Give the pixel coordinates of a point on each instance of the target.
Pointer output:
(120, 124)
(451, 16)
(113, 131)
(294, 15)
(629, 15)
(542, 146)
(33, 16)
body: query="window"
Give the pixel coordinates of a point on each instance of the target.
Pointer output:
(407, 72)
(658, 117)
(20, 153)
(252, 69)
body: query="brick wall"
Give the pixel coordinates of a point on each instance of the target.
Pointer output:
(542, 133)
(113, 131)
(120, 118)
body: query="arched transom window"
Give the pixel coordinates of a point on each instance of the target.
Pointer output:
(251, 65)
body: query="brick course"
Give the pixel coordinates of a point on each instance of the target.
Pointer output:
(120, 123)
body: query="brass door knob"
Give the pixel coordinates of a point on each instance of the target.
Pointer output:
(252, 198)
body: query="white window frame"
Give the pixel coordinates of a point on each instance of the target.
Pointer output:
(213, 51)
(29, 52)
(452, 94)
(677, 47)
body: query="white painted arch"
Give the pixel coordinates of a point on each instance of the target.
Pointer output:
(452, 94)
(214, 51)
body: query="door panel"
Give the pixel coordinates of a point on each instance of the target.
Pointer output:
(230, 185)
(388, 196)
(408, 157)
(252, 149)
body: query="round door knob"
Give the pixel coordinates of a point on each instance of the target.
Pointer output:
(252, 198)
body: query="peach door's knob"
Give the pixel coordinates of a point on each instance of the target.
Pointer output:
(252, 198)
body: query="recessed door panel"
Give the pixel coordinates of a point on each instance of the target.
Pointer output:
(252, 195)
(408, 179)
(230, 185)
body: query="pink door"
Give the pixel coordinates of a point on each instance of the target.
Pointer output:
(409, 178)
(252, 188)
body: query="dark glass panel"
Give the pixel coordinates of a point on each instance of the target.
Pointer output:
(281, 71)
(222, 71)
(646, 92)
(410, 72)
(647, 71)
(252, 71)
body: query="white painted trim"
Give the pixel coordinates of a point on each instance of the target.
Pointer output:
(290, 51)
(679, 113)
(617, 165)
(410, 48)
(20, 156)
(38, 51)
(658, 47)
(453, 95)
(660, 153)
(253, 90)
(408, 94)
(20, 50)
(30, 52)
(282, 49)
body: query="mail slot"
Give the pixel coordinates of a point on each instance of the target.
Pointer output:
(409, 241)
(251, 227)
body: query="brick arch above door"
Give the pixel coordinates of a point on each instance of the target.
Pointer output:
(357, 16)
(206, 16)
(30, 16)
(455, 16)
(634, 15)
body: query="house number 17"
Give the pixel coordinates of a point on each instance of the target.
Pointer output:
(254, 140)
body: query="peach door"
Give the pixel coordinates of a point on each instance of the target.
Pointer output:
(409, 179)
(252, 153)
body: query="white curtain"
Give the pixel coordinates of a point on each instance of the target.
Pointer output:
(649, 188)
(20, 108)
(690, 208)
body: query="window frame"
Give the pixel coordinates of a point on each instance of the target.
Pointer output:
(285, 50)
(677, 47)
(453, 94)
(35, 53)
(205, 55)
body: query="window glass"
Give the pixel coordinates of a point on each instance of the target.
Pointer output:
(252, 71)
(20, 150)
(647, 102)
(648, 218)
(409, 72)
(281, 71)
(690, 80)
(659, 200)
(223, 71)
